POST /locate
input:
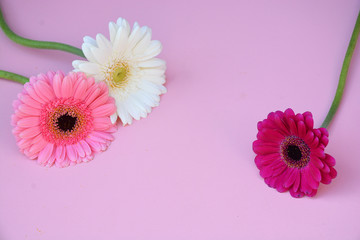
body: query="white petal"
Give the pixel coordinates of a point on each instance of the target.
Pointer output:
(90, 40)
(86, 47)
(150, 87)
(155, 79)
(136, 35)
(103, 42)
(143, 101)
(153, 63)
(124, 24)
(132, 109)
(120, 41)
(123, 114)
(153, 50)
(113, 118)
(76, 63)
(143, 44)
(156, 72)
(139, 105)
(150, 99)
(102, 55)
(90, 68)
(113, 28)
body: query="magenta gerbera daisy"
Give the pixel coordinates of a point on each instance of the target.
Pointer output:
(63, 120)
(290, 153)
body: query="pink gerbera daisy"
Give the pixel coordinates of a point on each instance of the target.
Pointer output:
(63, 120)
(290, 153)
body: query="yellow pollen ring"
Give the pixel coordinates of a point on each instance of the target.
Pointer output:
(118, 74)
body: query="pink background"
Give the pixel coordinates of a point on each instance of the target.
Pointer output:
(187, 171)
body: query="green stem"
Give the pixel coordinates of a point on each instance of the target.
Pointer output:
(13, 77)
(37, 44)
(343, 74)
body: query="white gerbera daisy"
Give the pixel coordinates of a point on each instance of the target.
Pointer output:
(128, 65)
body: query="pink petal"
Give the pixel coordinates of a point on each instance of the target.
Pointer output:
(71, 153)
(67, 87)
(30, 101)
(29, 122)
(102, 99)
(31, 91)
(103, 135)
(92, 96)
(44, 90)
(29, 110)
(45, 154)
(79, 150)
(60, 153)
(24, 143)
(95, 146)
(30, 132)
(102, 123)
(81, 90)
(86, 147)
(39, 144)
(57, 82)
(104, 110)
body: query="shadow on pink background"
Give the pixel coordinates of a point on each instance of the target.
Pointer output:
(187, 171)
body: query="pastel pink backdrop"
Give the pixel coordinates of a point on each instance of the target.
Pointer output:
(187, 171)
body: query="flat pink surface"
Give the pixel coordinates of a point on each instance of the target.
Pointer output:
(187, 171)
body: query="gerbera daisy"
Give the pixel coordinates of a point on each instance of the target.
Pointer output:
(290, 153)
(127, 64)
(63, 120)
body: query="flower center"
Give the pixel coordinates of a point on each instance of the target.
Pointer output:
(66, 123)
(117, 75)
(295, 152)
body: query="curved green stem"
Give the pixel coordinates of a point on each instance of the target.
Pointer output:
(13, 76)
(37, 44)
(343, 74)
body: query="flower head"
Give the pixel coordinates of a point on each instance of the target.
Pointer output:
(127, 64)
(290, 153)
(63, 120)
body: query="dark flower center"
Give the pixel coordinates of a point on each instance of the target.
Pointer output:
(66, 122)
(294, 152)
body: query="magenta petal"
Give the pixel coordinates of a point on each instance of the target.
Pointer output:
(291, 178)
(315, 172)
(329, 160)
(296, 194)
(309, 122)
(333, 172)
(301, 129)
